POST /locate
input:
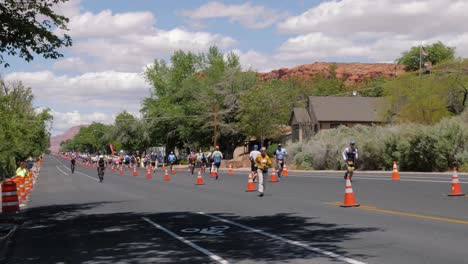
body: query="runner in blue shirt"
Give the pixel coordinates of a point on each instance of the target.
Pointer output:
(280, 155)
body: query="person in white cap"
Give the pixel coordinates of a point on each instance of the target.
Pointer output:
(263, 163)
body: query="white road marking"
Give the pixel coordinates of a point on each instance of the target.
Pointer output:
(78, 172)
(62, 171)
(370, 178)
(193, 245)
(289, 241)
(83, 174)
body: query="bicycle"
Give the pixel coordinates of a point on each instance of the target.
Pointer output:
(101, 174)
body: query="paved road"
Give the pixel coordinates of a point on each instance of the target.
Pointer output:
(71, 218)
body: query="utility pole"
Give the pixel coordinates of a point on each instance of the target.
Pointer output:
(215, 123)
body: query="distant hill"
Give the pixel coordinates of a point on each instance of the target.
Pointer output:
(69, 134)
(352, 73)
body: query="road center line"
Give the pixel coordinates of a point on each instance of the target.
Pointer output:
(193, 245)
(289, 241)
(435, 218)
(62, 171)
(77, 171)
(83, 174)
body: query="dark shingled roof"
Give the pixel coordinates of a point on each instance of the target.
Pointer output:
(301, 115)
(354, 109)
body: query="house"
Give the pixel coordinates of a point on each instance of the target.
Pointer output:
(326, 112)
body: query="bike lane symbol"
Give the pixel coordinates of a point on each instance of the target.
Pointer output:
(213, 230)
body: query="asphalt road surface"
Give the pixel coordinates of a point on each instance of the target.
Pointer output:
(72, 218)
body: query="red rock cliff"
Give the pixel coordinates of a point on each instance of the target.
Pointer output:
(352, 73)
(69, 134)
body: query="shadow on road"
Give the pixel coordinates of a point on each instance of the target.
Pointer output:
(72, 234)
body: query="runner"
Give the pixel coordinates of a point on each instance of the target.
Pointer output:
(192, 159)
(217, 156)
(171, 159)
(253, 165)
(280, 155)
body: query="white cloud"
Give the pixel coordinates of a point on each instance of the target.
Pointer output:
(110, 90)
(64, 120)
(126, 41)
(417, 17)
(107, 24)
(373, 30)
(248, 15)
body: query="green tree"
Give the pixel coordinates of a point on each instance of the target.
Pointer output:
(185, 94)
(23, 129)
(131, 133)
(263, 112)
(416, 100)
(27, 27)
(438, 52)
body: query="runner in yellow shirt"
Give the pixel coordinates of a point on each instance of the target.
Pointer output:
(263, 163)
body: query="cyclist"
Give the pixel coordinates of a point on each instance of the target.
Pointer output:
(172, 159)
(72, 163)
(192, 159)
(101, 168)
(350, 155)
(253, 165)
(217, 156)
(280, 153)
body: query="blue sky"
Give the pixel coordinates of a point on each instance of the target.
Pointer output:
(101, 74)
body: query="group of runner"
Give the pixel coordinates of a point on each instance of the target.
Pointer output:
(260, 162)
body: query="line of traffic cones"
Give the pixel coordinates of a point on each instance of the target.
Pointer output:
(349, 199)
(166, 176)
(273, 177)
(250, 184)
(456, 186)
(395, 174)
(199, 179)
(285, 171)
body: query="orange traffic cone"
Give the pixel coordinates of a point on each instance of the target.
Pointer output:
(273, 177)
(250, 184)
(349, 200)
(121, 171)
(285, 170)
(456, 187)
(135, 173)
(213, 171)
(199, 179)
(166, 176)
(148, 174)
(173, 171)
(230, 169)
(163, 167)
(112, 169)
(395, 174)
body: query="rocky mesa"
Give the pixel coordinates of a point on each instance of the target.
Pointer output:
(351, 73)
(69, 134)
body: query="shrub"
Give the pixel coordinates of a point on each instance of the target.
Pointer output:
(414, 147)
